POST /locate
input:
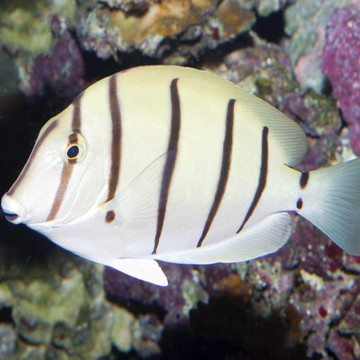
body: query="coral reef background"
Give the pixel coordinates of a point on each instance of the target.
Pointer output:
(303, 302)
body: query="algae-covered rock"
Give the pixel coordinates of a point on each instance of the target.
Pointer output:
(305, 23)
(121, 334)
(107, 30)
(7, 342)
(61, 313)
(46, 39)
(25, 25)
(343, 37)
(34, 34)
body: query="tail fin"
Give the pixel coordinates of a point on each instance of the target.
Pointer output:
(331, 201)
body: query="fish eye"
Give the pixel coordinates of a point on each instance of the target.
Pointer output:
(74, 148)
(72, 152)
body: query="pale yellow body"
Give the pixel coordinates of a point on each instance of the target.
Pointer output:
(169, 151)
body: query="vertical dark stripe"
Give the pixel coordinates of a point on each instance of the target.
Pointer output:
(262, 176)
(225, 168)
(35, 150)
(304, 179)
(170, 160)
(61, 191)
(116, 138)
(67, 168)
(76, 119)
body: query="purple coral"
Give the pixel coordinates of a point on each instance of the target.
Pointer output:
(341, 63)
(62, 67)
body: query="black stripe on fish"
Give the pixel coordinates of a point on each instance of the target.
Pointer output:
(170, 160)
(304, 178)
(262, 176)
(67, 168)
(36, 148)
(61, 191)
(225, 169)
(75, 125)
(116, 138)
(73, 138)
(76, 119)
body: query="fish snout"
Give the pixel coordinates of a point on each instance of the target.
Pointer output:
(12, 209)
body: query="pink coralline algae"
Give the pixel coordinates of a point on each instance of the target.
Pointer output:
(341, 62)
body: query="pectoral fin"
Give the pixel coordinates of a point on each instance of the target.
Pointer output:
(136, 207)
(143, 269)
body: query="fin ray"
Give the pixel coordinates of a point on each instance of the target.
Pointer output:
(332, 203)
(290, 139)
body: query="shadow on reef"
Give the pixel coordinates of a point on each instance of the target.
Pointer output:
(227, 328)
(271, 28)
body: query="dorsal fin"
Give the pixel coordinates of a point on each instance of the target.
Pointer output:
(290, 139)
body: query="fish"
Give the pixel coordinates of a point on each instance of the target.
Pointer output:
(174, 164)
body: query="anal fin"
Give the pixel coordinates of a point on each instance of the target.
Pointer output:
(265, 238)
(143, 269)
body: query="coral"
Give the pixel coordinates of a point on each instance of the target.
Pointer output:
(47, 57)
(305, 24)
(233, 18)
(341, 64)
(108, 30)
(24, 28)
(61, 67)
(7, 342)
(62, 313)
(173, 302)
(129, 6)
(266, 7)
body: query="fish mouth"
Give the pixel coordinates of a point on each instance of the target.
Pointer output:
(10, 216)
(14, 212)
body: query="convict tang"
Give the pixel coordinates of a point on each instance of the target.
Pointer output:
(175, 164)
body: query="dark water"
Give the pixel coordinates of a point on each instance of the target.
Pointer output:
(20, 120)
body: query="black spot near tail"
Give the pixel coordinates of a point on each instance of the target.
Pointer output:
(299, 203)
(304, 178)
